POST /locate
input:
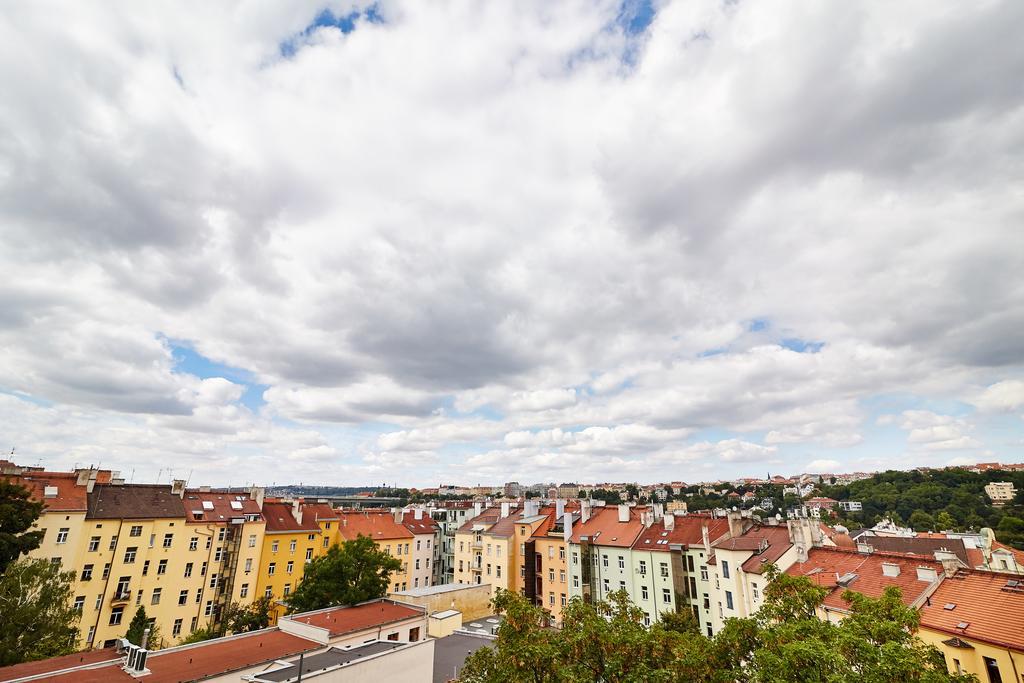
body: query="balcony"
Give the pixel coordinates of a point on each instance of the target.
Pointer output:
(120, 598)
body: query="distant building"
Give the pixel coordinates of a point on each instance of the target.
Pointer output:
(513, 489)
(851, 506)
(675, 506)
(568, 490)
(1000, 492)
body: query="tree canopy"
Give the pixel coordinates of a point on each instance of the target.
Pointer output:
(18, 512)
(785, 641)
(38, 620)
(349, 573)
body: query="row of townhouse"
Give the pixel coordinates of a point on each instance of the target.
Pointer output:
(185, 554)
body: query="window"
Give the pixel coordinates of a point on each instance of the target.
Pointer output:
(604, 560)
(248, 564)
(664, 570)
(287, 589)
(327, 542)
(183, 597)
(244, 592)
(188, 570)
(138, 596)
(176, 629)
(161, 567)
(622, 585)
(417, 563)
(575, 558)
(152, 540)
(666, 596)
(113, 543)
(693, 587)
(268, 592)
(209, 542)
(497, 570)
(992, 668)
(563, 599)
(703, 573)
(213, 581)
(92, 634)
(116, 615)
(136, 531)
(753, 588)
(129, 555)
(728, 599)
(561, 553)
(145, 568)
(607, 586)
(252, 540)
(208, 610)
(291, 547)
(274, 546)
(168, 539)
(271, 568)
(725, 569)
(309, 551)
(551, 575)
(55, 561)
(157, 593)
(561, 576)
(99, 602)
(643, 568)
(202, 569)
(643, 593)
(94, 544)
(62, 535)
(312, 537)
(622, 562)
(220, 533)
(79, 603)
(193, 543)
(414, 634)
(417, 544)
(106, 570)
(551, 599)
(199, 596)
(575, 581)
(86, 573)
(288, 567)
(218, 554)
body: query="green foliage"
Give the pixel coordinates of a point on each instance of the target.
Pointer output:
(784, 642)
(349, 573)
(252, 617)
(18, 512)
(38, 620)
(139, 623)
(201, 634)
(922, 521)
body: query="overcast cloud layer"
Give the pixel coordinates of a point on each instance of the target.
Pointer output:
(424, 242)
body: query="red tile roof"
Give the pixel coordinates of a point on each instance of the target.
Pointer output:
(341, 620)
(379, 526)
(317, 512)
(281, 520)
(425, 525)
(688, 531)
(70, 496)
(134, 501)
(604, 527)
(768, 543)
(10, 673)
(487, 517)
(993, 612)
(824, 566)
(196, 662)
(221, 510)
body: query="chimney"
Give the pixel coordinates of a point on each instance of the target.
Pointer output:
(659, 511)
(256, 493)
(417, 514)
(585, 511)
(623, 513)
(670, 522)
(735, 524)
(504, 510)
(559, 508)
(297, 511)
(398, 515)
(477, 509)
(705, 537)
(950, 562)
(178, 488)
(867, 549)
(566, 526)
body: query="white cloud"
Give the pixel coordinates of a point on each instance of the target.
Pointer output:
(1005, 396)
(823, 466)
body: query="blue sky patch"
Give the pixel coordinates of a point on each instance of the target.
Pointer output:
(801, 345)
(188, 360)
(326, 18)
(636, 15)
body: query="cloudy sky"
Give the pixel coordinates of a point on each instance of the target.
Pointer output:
(425, 242)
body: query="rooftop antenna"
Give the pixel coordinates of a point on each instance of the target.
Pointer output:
(131, 477)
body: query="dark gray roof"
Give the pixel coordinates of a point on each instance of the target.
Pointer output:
(326, 660)
(451, 651)
(133, 501)
(917, 546)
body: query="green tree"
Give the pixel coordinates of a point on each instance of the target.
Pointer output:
(201, 634)
(921, 521)
(945, 522)
(38, 620)
(139, 623)
(251, 617)
(18, 512)
(349, 573)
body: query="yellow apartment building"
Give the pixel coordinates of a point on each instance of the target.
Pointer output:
(291, 540)
(551, 570)
(976, 619)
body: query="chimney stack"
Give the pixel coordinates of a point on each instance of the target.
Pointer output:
(585, 511)
(477, 509)
(735, 524)
(623, 513)
(566, 526)
(559, 507)
(178, 488)
(505, 507)
(418, 514)
(659, 511)
(398, 515)
(670, 522)
(297, 510)
(257, 493)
